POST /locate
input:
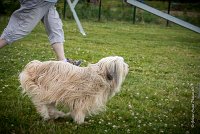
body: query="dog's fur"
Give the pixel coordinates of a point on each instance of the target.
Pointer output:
(85, 90)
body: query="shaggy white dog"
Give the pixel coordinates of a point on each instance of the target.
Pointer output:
(84, 90)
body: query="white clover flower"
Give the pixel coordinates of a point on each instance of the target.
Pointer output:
(129, 106)
(101, 120)
(161, 131)
(114, 126)
(142, 117)
(125, 125)
(187, 132)
(91, 120)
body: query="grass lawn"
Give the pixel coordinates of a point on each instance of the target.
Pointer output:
(160, 94)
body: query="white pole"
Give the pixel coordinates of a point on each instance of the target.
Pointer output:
(72, 6)
(74, 3)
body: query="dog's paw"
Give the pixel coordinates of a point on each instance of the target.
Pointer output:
(46, 118)
(59, 114)
(79, 122)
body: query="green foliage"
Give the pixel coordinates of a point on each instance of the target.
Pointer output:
(8, 6)
(155, 97)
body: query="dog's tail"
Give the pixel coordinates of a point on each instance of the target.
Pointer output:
(27, 77)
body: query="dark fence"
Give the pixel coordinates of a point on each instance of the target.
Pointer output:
(109, 10)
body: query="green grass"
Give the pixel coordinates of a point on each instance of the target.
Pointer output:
(156, 97)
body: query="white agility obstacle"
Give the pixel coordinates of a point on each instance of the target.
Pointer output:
(72, 6)
(164, 15)
(139, 5)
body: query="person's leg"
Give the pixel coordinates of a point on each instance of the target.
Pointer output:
(21, 23)
(53, 26)
(59, 51)
(3, 43)
(60, 54)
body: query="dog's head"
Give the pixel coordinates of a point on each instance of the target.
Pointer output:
(115, 70)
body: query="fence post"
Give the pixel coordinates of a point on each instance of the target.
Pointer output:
(99, 10)
(168, 11)
(134, 13)
(64, 14)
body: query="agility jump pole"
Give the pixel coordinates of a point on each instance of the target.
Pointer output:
(72, 6)
(164, 15)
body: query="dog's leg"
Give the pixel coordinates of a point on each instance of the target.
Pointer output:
(42, 110)
(54, 113)
(78, 116)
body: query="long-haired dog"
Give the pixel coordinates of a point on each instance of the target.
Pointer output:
(84, 90)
